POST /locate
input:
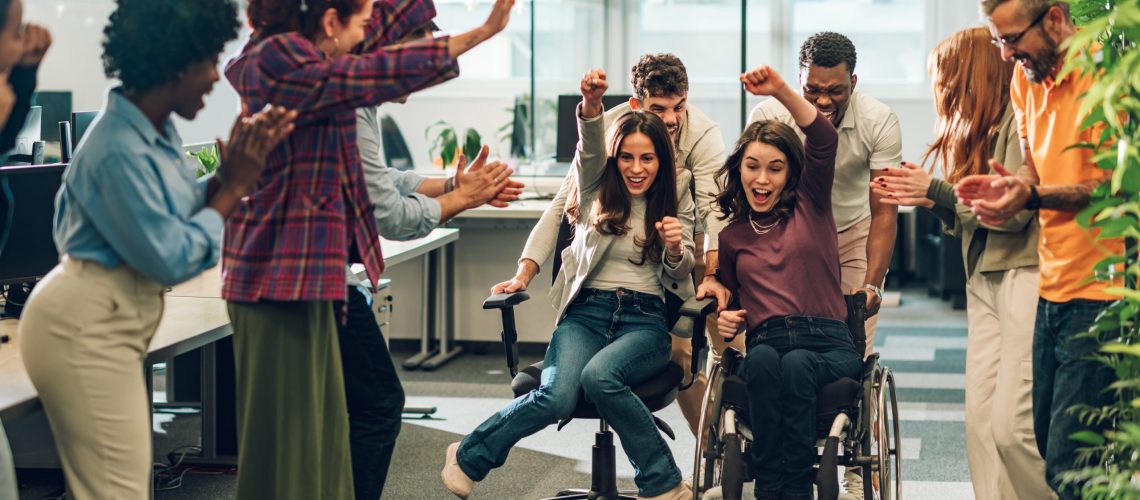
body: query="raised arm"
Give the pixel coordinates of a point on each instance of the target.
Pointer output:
(590, 158)
(392, 20)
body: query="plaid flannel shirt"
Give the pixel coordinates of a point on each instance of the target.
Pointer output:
(291, 238)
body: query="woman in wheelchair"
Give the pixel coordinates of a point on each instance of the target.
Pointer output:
(633, 225)
(779, 258)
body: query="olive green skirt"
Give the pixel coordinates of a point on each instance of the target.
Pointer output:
(292, 419)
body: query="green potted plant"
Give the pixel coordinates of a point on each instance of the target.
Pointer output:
(207, 159)
(1108, 466)
(444, 141)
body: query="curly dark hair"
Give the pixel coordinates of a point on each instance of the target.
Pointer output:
(733, 201)
(659, 75)
(272, 17)
(828, 49)
(149, 42)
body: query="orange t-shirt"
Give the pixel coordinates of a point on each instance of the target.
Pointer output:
(1048, 117)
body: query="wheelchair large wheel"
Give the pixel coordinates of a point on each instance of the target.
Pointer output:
(718, 470)
(883, 480)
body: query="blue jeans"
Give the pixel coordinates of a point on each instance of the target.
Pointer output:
(373, 393)
(608, 342)
(1063, 376)
(789, 359)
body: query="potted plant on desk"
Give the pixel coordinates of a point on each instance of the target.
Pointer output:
(445, 142)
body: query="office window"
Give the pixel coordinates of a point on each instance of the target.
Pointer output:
(889, 35)
(706, 35)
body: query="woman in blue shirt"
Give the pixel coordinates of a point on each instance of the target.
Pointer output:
(131, 219)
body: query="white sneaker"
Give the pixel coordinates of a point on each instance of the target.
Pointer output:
(714, 493)
(852, 484)
(453, 476)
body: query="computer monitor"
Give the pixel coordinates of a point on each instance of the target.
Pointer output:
(30, 251)
(56, 108)
(567, 138)
(80, 122)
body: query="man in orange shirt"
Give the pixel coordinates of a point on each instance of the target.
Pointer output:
(1057, 182)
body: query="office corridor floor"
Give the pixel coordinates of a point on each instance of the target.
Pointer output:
(923, 341)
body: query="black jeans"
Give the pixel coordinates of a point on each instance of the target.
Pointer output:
(1063, 376)
(789, 359)
(375, 396)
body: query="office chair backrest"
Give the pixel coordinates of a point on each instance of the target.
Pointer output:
(396, 153)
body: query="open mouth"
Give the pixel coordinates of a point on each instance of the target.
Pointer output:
(761, 196)
(636, 183)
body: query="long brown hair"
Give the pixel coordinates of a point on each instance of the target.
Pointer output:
(971, 93)
(611, 209)
(733, 201)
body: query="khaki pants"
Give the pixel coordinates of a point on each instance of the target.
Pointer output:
(83, 338)
(690, 400)
(1000, 445)
(853, 268)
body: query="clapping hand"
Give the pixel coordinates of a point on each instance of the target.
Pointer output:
(993, 198)
(251, 140)
(905, 185)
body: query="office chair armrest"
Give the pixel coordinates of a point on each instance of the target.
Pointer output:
(505, 300)
(505, 303)
(698, 308)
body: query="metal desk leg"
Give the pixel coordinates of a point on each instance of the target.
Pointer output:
(444, 312)
(426, 350)
(217, 451)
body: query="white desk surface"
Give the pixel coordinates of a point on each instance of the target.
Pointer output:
(209, 283)
(187, 323)
(522, 209)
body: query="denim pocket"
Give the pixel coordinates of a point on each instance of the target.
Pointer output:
(652, 308)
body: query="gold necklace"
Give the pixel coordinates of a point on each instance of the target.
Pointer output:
(762, 229)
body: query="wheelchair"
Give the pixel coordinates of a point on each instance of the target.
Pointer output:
(857, 422)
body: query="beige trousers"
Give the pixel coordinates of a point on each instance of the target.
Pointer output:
(83, 338)
(1001, 451)
(690, 400)
(853, 268)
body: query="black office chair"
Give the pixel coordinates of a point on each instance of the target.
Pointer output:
(656, 393)
(396, 153)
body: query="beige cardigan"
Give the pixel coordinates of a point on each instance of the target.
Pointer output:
(1008, 246)
(590, 246)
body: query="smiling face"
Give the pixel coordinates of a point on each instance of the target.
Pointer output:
(197, 82)
(764, 174)
(670, 109)
(1035, 50)
(344, 35)
(828, 89)
(637, 162)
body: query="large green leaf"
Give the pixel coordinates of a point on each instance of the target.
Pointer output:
(1087, 437)
(471, 144)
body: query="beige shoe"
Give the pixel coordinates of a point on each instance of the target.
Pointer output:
(453, 476)
(681, 492)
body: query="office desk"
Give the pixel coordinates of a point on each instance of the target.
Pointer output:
(188, 323)
(521, 209)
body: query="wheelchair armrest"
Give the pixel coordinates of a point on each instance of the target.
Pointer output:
(504, 300)
(695, 307)
(505, 303)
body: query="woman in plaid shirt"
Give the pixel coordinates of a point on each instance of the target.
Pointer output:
(287, 244)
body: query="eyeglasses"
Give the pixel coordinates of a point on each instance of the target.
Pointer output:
(1011, 40)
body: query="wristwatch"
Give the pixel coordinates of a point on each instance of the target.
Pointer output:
(878, 291)
(1034, 201)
